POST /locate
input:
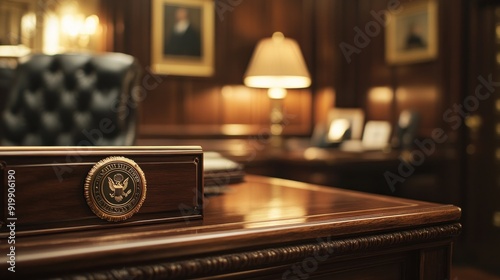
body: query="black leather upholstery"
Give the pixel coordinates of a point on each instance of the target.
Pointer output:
(7, 67)
(72, 100)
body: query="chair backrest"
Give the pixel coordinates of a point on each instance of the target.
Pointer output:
(71, 100)
(7, 69)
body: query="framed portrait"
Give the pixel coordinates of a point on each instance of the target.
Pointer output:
(412, 34)
(182, 37)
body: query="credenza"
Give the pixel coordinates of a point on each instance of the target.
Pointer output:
(262, 228)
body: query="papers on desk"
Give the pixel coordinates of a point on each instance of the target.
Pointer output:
(376, 136)
(219, 172)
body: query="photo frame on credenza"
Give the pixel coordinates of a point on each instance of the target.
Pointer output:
(354, 116)
(342, 124)
(376, 135)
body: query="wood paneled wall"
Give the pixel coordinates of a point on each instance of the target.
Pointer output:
(384, 90)
(218, 105)
(183, 106)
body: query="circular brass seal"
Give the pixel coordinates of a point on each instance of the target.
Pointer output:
(115, 188)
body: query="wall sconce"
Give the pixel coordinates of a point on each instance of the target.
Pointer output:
(69, 32)
(277, 64)
(79, 29)
(28, 28)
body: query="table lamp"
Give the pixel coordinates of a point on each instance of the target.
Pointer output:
(277, 64)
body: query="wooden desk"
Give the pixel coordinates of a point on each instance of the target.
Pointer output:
(261, 229)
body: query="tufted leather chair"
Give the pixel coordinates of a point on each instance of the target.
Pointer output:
(71, 100)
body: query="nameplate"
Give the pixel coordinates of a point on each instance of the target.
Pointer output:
(56, 189)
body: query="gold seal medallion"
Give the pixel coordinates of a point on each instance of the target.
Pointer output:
(115, 188)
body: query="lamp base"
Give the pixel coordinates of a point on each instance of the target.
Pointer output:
(277, 123)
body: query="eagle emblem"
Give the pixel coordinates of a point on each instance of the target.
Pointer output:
(121, 195)
(118, 187)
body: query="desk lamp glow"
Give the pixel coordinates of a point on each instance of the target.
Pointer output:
(277, 64)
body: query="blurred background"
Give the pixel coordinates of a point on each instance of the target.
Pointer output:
(402, 98)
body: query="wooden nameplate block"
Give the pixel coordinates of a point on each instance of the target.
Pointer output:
(56, 189)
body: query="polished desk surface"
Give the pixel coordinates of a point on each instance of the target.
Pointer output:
(259, 213)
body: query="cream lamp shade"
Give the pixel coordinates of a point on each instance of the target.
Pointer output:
(277, 64)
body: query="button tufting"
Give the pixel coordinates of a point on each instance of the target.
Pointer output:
(62, 100)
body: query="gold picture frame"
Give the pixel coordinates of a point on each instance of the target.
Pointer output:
(412, 33)
(182, 40)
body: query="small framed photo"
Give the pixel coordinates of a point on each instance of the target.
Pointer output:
(182, 37)
(412, 34)
(376, 135)
(345, 121)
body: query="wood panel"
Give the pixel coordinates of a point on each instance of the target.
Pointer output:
(175, 102)
(320, 27)
(426, 87)
(49, 186)
(238, 33)
(375, 89)
(481, 149)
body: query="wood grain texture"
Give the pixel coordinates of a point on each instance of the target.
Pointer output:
(49, 192)
(259, 259)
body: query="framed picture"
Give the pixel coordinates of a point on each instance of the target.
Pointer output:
(411, 35)
(182, 37)
(376, 135)
(342, 125)
(353, 117)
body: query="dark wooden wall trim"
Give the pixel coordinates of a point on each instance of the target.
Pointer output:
(480, 140)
